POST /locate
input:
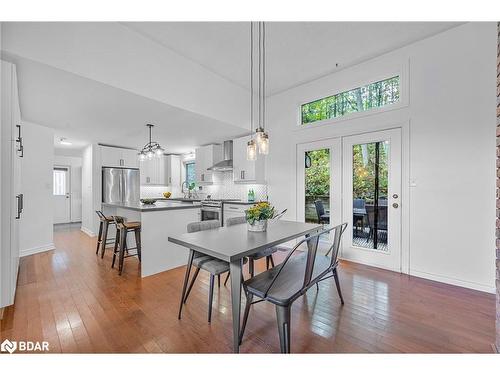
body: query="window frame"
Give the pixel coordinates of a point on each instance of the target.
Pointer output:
(362, 77)
(193, 162)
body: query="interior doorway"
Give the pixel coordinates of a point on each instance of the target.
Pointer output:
(62, 195)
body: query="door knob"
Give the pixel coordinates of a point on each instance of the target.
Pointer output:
(395, 205)
(395, 196)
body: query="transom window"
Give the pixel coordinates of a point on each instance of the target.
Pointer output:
(364, 98)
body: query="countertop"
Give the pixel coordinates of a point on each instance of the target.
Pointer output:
(160, 205)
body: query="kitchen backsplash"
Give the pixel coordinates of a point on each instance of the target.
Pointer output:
(223, 188)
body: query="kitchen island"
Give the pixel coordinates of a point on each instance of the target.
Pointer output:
(159, 221)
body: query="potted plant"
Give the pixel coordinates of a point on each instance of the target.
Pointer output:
(258, 215)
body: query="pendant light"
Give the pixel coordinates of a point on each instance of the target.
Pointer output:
(261, 142)
(150, 149)
(251, 145)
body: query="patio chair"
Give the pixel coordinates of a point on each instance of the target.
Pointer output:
(382, 219)
(323, 217)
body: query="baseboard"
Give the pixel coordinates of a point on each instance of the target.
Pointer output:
(36, 250)
(453, 281)
(87, 231)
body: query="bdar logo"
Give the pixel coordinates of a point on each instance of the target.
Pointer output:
(8, 346)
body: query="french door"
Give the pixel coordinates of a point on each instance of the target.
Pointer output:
(355, 179)
(372, 198)
(319, 184)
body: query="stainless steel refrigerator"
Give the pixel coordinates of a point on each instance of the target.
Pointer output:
(120, 185)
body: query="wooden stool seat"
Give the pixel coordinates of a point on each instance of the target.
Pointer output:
(132, 225)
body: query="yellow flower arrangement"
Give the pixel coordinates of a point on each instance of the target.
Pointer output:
(259, 211)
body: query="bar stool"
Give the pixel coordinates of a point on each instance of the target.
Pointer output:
(102, 238)
(122, 229)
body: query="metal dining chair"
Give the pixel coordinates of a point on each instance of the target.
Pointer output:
(214, 266)
(283, 284)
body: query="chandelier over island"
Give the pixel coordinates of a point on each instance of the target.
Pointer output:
(150, 149)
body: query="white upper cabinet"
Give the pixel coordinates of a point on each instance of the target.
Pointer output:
(164, 171)
(118, 157)
(206, 157)
(173, 170)
(247, 171)
(152, 171)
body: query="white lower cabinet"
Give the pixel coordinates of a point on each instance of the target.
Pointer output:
(233, 210)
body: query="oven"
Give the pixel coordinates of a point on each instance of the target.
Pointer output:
(211, 211)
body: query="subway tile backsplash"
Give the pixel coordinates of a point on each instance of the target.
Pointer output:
(223, 188)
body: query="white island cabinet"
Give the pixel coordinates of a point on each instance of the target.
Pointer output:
(158, 222)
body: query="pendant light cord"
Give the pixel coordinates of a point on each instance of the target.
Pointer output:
(260, 75)
(251, 80)
(263, 75)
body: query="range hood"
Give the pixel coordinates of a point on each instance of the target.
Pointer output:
(227, 163)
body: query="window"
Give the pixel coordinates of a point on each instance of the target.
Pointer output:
(190, 173)
(374, 95)
(60, 181)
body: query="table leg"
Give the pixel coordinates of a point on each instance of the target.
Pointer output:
(235, 271)
(186, 279)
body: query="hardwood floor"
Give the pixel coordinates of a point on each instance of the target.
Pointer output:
(73, 299)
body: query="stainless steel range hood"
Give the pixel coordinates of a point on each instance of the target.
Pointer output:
(227, 163)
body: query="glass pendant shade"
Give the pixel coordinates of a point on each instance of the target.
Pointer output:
(159, 152)
(142, 156)
(264, 144)
(251, 150)
(258, 135)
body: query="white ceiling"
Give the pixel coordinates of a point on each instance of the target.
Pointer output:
(297, 52)
(86, 111)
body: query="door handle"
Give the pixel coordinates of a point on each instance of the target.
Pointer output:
(19, 140)
(20, 205)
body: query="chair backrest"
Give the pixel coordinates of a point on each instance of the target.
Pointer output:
(101, 215)
(119, 220)
(198, 226)
(358, 203)
(382, 216)
(312, 249)
(320, 209)
(280, 215)
(235, 220)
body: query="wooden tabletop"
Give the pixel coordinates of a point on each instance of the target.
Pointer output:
(235, 242)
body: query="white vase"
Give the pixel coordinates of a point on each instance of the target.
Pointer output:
(257, 226)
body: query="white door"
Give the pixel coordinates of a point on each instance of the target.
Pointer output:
(319, 182)
(372, 199)
(62, 197)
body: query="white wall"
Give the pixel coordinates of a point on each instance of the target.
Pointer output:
(450, 117)
(75, 163)
(91, 194)
(36, 228)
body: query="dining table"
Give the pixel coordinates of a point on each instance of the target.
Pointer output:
(232, 244)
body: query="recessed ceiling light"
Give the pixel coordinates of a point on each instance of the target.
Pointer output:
(65, 142)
